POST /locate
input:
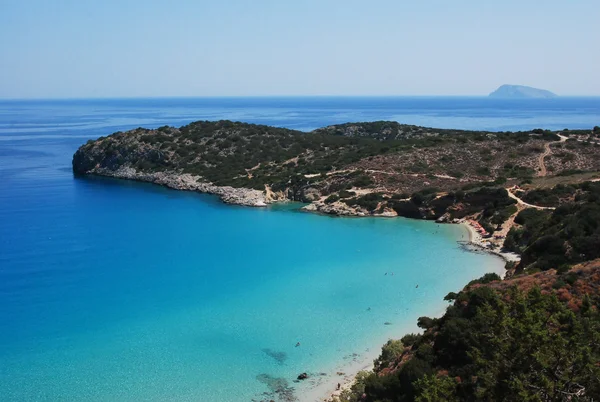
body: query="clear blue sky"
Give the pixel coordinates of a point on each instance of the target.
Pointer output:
(113, 48)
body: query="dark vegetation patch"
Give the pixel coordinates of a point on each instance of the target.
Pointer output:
(279, 388)
(567, 235)
(496, 343)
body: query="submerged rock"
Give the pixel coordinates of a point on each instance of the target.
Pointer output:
(279, 357)
(278, 387)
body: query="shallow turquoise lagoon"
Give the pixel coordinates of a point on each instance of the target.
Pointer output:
(169, 295)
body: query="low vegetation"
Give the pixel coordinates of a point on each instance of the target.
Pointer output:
(565, 236)
(386, 156)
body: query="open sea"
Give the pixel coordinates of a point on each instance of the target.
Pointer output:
(120, 291)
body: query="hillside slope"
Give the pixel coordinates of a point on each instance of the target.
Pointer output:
(379, 156)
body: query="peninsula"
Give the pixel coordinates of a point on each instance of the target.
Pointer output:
(521, 91)
(535, 194)
(358, 169)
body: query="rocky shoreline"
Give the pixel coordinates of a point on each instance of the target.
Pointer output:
(342, 209)
(324, 389)
(232, 195)
(188, 182)
(257, 198)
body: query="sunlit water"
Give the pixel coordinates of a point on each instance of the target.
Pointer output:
(111, 290)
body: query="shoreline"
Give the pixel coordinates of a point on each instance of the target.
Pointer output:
(318, 388)
(259, 199)
(187, 182)
(326, 390)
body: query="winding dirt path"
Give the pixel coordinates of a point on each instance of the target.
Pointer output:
(547, 151)
(523, 203)
(497, 241)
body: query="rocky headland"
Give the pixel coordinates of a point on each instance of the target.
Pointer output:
(377, 169)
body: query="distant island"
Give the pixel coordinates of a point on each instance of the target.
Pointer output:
(521, 91)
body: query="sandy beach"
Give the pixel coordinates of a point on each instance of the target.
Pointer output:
(488, 245)
(324, 388)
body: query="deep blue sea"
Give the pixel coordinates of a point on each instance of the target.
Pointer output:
(119, 291)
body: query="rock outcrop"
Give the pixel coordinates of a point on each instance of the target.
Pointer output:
(342, 209)
(188, 182)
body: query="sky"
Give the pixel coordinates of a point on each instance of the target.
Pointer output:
(155, 48)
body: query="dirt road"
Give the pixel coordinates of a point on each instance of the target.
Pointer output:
(547, 151)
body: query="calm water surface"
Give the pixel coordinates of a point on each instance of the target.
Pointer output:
(120, 291)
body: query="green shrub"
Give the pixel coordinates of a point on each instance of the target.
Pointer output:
(410, 339)
(362, 181)
(483, 171)
(332, 198)
(346, 194)
(487, 278)
(389, 353)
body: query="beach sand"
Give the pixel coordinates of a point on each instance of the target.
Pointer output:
(324, 388)
(476, 240)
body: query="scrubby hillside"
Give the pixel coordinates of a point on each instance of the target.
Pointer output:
(360, 169)
(560, 237)
(384, 157)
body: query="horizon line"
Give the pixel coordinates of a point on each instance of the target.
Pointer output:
(3, 99)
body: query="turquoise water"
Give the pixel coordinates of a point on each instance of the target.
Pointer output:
(111, 290)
